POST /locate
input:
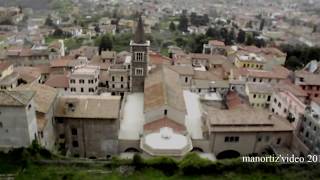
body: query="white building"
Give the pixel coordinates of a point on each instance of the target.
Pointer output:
(18, 124)
(84, 80)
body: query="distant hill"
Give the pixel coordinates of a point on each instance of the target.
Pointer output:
(34, 4)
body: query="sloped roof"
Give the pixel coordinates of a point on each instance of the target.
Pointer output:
(89, 107)
(44, 97)
(162, 87)
(139, 34)
(4, 66)
(15, 98)
(58, 81)
(183, 70)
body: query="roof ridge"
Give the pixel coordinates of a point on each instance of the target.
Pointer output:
(13, 97)
(164, 86)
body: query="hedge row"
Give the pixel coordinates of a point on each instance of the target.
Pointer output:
(193, 164)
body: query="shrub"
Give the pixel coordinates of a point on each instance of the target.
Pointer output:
(165, 164)
(192, 164)
(137, 161)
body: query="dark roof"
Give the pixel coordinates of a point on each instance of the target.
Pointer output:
(139, 34)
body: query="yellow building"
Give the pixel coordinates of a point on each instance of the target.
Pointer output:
(259, 94)
(249, 61)
(8, 78)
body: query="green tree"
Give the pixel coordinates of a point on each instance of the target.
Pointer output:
(105, 43)
(172, 26)
(315, 27)
(250, 40)
(262, 24)
(293, 63)
(183, 23)
(241, 36)
(213, 33)
(49, 21)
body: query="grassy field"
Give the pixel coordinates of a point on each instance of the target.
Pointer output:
(86, 173)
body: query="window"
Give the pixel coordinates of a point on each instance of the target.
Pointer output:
(278, 140)
(62, 136)
(113, 78)
(75, 144)
(231, 139)
(90, 81)
(139, 71)
(73, 89)
(259, 139)
(254, 95)
(186, 79)
(226, 139)
(72, 81)
(267, 138)
(165, 112)
(1, 125)
(254, 79)
(60, 120)
(91, 90)
(121, 78)
(113, 86)
(285, 110)
(29, 106)
(121, 86)
(74, 131)
(139, 56)
(236, 139)
(82, 89)
(41, 134)
(279, 105)
(81, 81)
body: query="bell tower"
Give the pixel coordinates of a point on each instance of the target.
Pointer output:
(139, 48)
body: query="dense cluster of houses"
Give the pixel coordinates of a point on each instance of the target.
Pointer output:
(225, 102)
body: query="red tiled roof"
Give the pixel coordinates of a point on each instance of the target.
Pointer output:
(4, 65)
(164, 122)
(216, 43)
(58, 81)
(233, 100)
(63, 62)
(156, 58)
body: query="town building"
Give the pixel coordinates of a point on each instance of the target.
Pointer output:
(18, 123)
(45, 103)
(243, 130)
(259, 94)
(87, 126)
(84, 80)
(8, 78)
(309, 82)
(251, 60)
(309, 127)
(139, 59)
(214, 47)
